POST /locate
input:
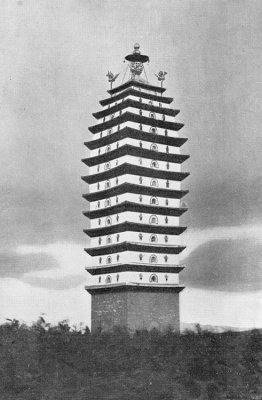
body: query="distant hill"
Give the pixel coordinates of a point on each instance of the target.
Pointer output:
(212, 328)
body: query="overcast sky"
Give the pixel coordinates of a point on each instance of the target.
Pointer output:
(54, 56)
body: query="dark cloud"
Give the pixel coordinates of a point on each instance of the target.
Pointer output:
(42, 215)
(16, 265)
(228, 203)
(65, 283)
(225, 265)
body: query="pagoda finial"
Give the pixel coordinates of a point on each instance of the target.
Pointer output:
(111, 78)
(136, 48)
(136, 60)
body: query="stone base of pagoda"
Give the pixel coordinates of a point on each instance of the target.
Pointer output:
(135, 306)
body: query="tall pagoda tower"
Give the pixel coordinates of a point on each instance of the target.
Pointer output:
(134, 197)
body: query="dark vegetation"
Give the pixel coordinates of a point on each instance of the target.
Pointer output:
(56, 362)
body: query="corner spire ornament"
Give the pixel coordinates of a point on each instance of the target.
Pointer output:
(161, 76)
(111, 78)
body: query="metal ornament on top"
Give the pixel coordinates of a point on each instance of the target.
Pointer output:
(111, 78)
(161, 76)
(136, 60)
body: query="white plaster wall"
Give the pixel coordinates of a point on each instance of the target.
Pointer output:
(133, 217)
(136, 277)
(135, 97)
(134, 110)
(135, 179)
(134, 237)
(135, 198)
(127, 257)
(146, 128)
(133, 142)
(145, 101)
(143, 162)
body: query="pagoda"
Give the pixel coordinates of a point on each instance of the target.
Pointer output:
(134, 205)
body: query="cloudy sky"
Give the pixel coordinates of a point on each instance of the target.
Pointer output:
(54, 57)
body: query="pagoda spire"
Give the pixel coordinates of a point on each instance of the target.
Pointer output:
(136, 62)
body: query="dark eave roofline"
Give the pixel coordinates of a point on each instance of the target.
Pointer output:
(139, 119)
(114, 268)
(136, 151)
(128, 226)
(138, 84)
(130, 206)
(137, 189)
(134, 287)
(131, 169)
(132, 133)
(135, 104)
(136, 93)
(134, 246)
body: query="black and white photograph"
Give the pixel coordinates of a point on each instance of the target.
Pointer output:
(131, 200)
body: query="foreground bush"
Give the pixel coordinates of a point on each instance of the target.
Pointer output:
(57, 362)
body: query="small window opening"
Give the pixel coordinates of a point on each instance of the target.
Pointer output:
(153, 129)
(153, 219)
(153, 278)
(154, 164)
(153, 239)
(154, 183)
(108, 221)
(153, 201)
(154, 147)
